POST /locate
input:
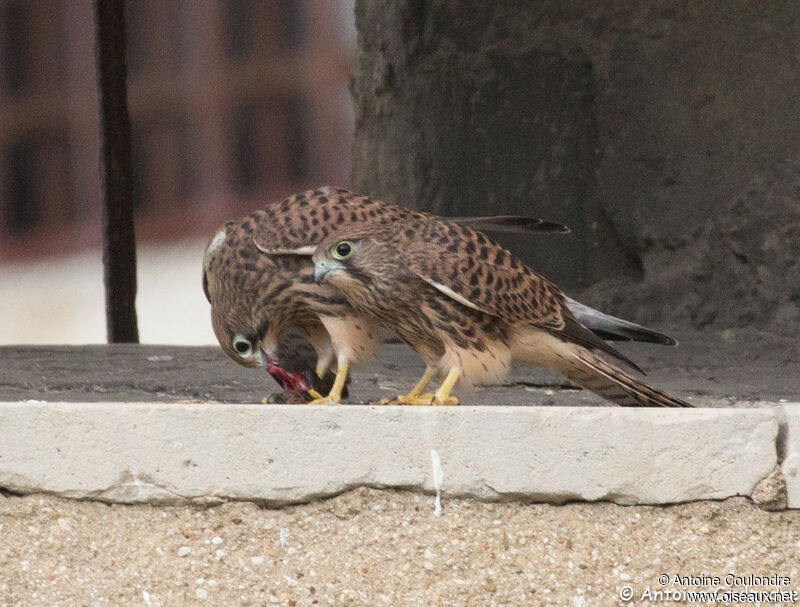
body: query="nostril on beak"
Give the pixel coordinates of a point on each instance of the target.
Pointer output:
(320, 270)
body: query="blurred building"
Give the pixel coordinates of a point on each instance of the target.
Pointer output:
(233, 103)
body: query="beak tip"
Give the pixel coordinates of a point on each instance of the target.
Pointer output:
(268, 359)
(320, 272)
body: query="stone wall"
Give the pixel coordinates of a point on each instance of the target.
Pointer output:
(667, 135)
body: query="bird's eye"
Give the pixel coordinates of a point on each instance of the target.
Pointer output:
(343, 249)
(242, 345)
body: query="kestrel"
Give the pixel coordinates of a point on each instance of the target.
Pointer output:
(469, 308)
(259, 278)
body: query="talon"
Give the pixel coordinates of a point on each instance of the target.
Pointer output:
(427, 399)
(413, 399)
(325, 400)
(335, 395)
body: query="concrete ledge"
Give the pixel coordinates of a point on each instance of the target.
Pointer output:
(789, 451)
(278, 454)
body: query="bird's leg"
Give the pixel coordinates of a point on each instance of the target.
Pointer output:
(443, 393)
(324, 363)
(442, 396)
(416, 392)
(321, 370)
(418, 389)
(322, 378)
(335, 394)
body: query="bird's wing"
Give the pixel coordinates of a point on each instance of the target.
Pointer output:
(477, 272)
(296, 225)
(511, 223)
(616, 329)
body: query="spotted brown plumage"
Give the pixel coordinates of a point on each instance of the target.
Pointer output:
(469, 308)
(258, 277)
(297, 224)
(250, 292)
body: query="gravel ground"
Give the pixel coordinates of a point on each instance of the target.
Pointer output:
(374, 547)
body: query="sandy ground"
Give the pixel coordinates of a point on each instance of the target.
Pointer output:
(374, 547)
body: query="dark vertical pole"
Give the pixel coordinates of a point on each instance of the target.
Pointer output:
(119, 245)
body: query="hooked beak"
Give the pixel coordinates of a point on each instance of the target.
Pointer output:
(323, 268)
(268, 360)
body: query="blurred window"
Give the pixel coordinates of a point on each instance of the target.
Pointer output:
(269, 144)
(257, 28)
(233, 103)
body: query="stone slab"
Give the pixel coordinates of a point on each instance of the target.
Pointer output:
(173, 453)
(789, 416)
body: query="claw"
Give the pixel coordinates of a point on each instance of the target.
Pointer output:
(335, 396)
(323, 400)
(427, 399)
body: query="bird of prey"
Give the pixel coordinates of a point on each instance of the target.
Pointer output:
(259, 278)
(469, 308)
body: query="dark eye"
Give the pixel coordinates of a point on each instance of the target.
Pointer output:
(343, 250)
(242, 345)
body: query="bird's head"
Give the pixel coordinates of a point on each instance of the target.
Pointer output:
(352, 259)
(232, 285)
(239, 337)
(251, 304)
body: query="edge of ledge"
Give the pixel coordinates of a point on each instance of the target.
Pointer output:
(282, 454)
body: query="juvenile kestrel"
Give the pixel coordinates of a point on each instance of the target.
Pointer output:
(259, 278)
(469, 308)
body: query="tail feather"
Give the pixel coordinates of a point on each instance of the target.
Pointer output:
(612, 383)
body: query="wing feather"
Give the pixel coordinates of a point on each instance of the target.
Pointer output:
(297, 224)
(468, 266)
(477, 272)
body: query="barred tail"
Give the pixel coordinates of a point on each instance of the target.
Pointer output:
(612, 383)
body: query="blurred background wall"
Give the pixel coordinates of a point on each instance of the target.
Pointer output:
(665, 134)
(233, 103)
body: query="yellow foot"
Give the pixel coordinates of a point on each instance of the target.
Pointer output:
(323, 400)
(427, 399)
